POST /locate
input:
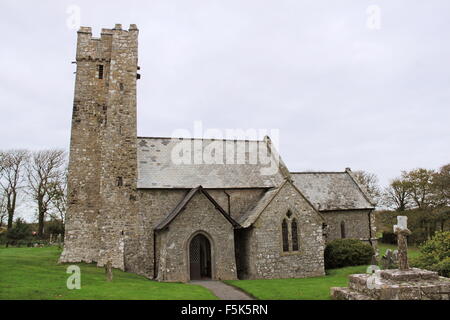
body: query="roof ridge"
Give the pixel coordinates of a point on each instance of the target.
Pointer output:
(320, 172)
(361, 188)
(201, 139)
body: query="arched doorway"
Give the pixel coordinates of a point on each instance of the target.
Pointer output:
(200, 258)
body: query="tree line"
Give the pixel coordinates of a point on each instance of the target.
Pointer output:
(421, 194)
(37, 177)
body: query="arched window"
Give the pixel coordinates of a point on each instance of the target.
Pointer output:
(294, 232)
(285, 232)
(343, 229)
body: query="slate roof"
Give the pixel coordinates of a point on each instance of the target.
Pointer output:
(159, 164)
(183, 203)
(252, 215)
(329, 191)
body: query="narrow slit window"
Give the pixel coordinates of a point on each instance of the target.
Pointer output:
(342, 229)
(100, 71)
(294, 233)
(119, 181)
(285, 234)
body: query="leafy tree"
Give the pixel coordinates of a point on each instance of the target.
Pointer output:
(441, 187)
(420, 186)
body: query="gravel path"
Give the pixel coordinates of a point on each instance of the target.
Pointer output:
(223, 291)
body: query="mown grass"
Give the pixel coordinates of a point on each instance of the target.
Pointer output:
(413, 252)
(33, 274)
(317, 288)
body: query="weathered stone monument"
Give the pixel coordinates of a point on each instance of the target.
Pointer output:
(109, 271)
(404, 283)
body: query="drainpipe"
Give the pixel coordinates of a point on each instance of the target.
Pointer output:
(154, 254)
(370, 228)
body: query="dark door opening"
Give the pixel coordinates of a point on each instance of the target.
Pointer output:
(200, 258)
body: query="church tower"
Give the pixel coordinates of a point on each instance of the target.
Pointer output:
(101, 214)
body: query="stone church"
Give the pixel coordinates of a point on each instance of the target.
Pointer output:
(132, 202)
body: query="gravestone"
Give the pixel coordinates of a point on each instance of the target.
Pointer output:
(389, 260)
(404, 283)
(109, 271)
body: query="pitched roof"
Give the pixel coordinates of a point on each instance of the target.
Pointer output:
(183, 203)
(166, 163)
(252, 215)
(329, 191)
(247, 219)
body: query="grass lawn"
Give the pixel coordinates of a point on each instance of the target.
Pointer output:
(32, 273)
(298, 289)
(309, 288)
(413, 252)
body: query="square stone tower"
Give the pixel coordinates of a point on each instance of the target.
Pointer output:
(101, 215)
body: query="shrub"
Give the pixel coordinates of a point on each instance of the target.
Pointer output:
(347, 252)
(435, 254)
(21, 230)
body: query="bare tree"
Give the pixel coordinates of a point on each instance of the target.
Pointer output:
(397, 195)
(13, 164)
(59, 198)
(45, 170)
(3, 211)
(370, 182)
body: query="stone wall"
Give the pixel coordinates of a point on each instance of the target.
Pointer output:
(357, 224)
(102, 222)
(199, 216)
(155, 204)
(261, 253)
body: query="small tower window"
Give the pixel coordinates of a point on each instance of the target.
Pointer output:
(294, 235)
(100, 71)
(343, 229)
(119, 181)
(285, 233)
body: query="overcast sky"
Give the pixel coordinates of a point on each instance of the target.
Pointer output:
(343, 92)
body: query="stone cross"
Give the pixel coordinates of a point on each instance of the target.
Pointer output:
(401, 230)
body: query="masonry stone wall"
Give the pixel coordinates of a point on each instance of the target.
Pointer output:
(199, 216)
(155, 204)
(263, 256)
(357, 225)
(102, 222)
